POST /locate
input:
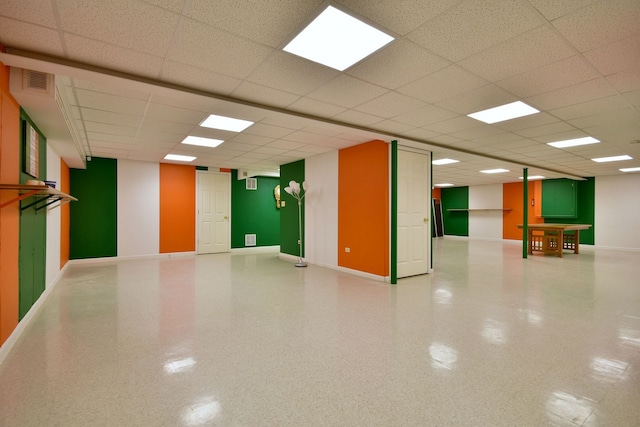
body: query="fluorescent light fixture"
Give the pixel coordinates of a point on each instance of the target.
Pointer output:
(445, 184)
(202, 142)
(630, 170)
(574, 142)
(337, 40)
(529, 178)
(444, 162)
(612, 159)
(495, 170)
(179, 158)
(504, 112)
(225, 123)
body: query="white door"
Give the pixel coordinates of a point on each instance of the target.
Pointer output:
(414, 211)
(213, 212)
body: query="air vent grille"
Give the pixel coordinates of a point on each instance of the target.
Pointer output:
(249, 239)
(252, 184)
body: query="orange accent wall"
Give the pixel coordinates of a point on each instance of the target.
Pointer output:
(363, 208)
(65, 216)
(512, 194)
(436, 193)
(9, 215)
(177, 208)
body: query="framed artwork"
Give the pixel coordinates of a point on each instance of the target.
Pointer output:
(31, 150)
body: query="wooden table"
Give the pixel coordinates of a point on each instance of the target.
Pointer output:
(551, 238)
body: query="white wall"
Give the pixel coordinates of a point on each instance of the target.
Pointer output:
(485, 224)
(617, 202)
(138, 208)
(53, 222)
(321, 209)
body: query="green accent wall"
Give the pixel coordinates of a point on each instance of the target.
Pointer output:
(586, 208)
(93, 228)
(254, 211)
(456, 223)
(559, 198)
(289, 213)
(33, 231)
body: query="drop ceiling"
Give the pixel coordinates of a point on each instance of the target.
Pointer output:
(133, 78)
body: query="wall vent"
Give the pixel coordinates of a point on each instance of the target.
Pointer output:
(249, 239)
(252, 184)
(37, 82)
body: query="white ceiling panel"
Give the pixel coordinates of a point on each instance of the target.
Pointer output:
(137, 76)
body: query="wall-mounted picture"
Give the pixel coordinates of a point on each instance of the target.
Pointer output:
(31, 150)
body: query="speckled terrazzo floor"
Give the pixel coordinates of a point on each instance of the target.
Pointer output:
(247, 339)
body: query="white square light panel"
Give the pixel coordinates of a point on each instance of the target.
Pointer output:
(495, 170)
(337, 40)
(441, 162)
(179, 158)
(504, 112)
(574, 142)
(612, 159)
(202, 142)
(225, 123)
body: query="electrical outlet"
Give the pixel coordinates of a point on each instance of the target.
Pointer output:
(347, 250)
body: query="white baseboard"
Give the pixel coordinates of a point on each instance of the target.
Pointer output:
(6, 347)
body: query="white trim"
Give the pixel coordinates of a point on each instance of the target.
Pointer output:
(288, 257)
(131, 258)
(5, 348)
(275, 248)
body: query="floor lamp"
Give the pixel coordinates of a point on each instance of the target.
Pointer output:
(294, 190)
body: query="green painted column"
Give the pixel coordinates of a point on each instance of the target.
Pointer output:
(525, 212)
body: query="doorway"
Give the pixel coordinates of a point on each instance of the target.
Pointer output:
(213, 217)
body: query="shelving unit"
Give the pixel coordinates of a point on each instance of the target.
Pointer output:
(43, 196)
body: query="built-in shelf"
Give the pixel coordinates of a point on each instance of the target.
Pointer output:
(42, 195)
(469, 210)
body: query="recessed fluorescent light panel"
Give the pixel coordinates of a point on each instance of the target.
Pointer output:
(630, 170)
(179, 158)
(573, 142)
(337, 40)
(504, 112)
(202, 142)
(612, 159)
(444, 184)
(529, 178)
(495, 170)
(444, 162)
(225, 123)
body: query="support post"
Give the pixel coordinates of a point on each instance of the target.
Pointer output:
(525, 212)
(394, 213)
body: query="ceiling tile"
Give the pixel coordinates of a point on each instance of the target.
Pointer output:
(198, 78)
(30, 37)
(149, 29)
(600, 23)
(298, 75)
(572, 94)
(445, 83)
(415, 63)
(473, 26)
(552, 9)
(346, 91)
(560, 74)
(192, 45)
(525, 52)
(614, 58)
(389, 105)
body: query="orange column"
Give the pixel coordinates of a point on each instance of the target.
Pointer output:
(65, 187)
(512, 195)
(9, 215)
(177, 208)
(363, 208)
